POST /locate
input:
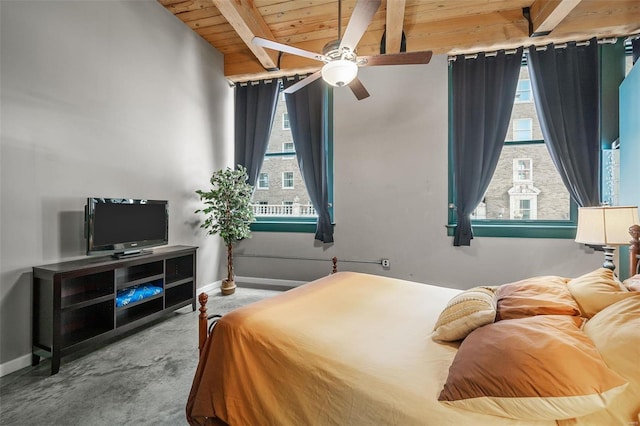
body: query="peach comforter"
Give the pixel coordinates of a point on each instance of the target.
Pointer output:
(348, 349)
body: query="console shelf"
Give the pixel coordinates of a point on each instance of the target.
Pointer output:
(74, 302)
(177, 283)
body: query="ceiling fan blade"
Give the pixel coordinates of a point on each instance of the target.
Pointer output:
(358, 89)
(360, 19)
(307, 80)
(269, 44)
(403, 58)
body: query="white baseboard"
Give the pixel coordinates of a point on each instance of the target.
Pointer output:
(15, 365)
(254, 282)
(267, 283)
(209, 288)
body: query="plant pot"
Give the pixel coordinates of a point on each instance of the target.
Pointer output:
(228, 287)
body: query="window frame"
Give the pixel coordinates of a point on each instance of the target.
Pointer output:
(516, 170)
(506, 228)
(304, 224)
(290, 177)
(531, 209)
(290, 153)
(259, 182)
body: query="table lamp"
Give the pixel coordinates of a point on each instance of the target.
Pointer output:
(606, 226)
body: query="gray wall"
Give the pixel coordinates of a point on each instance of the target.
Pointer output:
(100, 98)
(391, 197)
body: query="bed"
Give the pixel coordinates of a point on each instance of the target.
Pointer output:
(359, 349)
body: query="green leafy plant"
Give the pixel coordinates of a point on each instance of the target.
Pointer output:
(228, 212)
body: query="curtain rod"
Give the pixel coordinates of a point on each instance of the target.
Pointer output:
(255, 83)
(538, 48)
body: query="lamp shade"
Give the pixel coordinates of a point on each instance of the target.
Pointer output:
(605, 226)
(339, 72)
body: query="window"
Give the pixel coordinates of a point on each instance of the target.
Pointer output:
(523, 92)
(287, 148)
(522, 129)
(523, 209)
(522, 170)
(287, 180)
(263, 181)
(283, 205)
(526, 196)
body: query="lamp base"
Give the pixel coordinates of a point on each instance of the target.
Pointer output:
(608, 258)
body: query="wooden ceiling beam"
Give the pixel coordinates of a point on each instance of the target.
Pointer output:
(547, 14)
(394, 25)
(247, 21)
(505, 29)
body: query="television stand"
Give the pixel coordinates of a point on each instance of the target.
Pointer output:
(74, 303)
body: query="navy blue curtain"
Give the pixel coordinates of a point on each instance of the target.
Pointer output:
(566, 88)
(483, 92)
(306, 117)
(255, 108)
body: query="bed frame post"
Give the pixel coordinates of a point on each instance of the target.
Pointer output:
(202, 320)
(634, 249)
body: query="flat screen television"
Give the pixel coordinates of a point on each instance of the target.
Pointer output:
(124, 226)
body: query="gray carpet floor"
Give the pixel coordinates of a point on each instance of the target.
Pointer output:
(142, 378)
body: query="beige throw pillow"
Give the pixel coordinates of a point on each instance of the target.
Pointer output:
(464, 313)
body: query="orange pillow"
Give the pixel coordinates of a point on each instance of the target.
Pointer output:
(536, 368)
(597, 290)
(544, 295)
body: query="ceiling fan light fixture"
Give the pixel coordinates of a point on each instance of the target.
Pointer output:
(339, 72)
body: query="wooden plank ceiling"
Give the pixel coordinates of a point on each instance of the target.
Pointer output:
(442, 26)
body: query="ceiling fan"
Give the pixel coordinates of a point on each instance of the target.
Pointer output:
(340, 60)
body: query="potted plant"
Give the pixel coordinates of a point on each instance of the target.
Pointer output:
(228, 212)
